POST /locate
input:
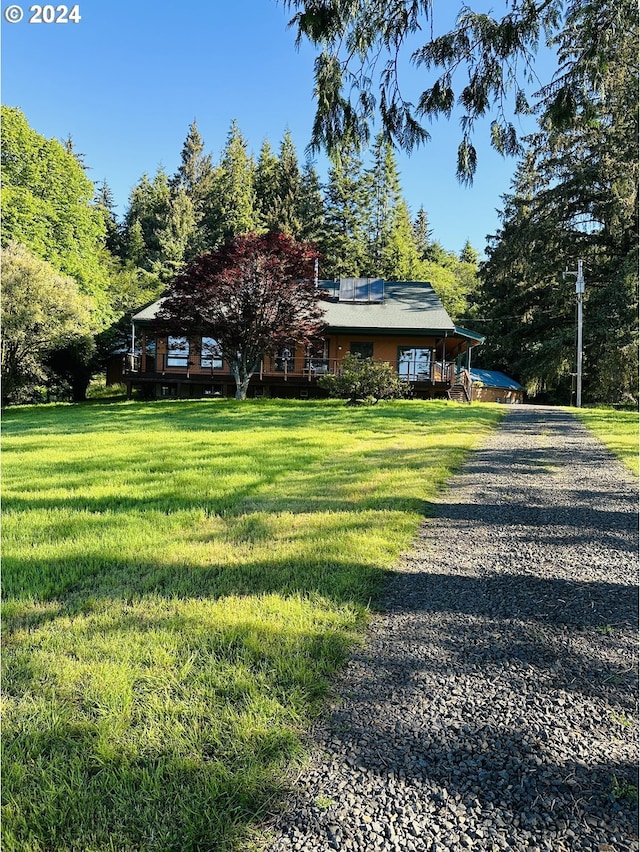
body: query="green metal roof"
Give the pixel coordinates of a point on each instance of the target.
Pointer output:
(408, 307)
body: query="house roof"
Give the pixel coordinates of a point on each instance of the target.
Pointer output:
(409, 307)
(494, 379)
(149, 312)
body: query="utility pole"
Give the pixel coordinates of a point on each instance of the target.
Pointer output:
(580, 297)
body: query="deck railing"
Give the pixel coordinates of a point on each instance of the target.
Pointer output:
(307, 367)
(464, 378)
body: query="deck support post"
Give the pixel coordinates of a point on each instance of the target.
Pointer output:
(443, 373)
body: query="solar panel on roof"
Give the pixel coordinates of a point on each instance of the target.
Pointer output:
(347, 289)
(376, 290)
(361, 290)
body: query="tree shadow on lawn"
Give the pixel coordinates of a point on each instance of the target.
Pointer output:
(344, 582)
(224, 415)
(162, 721)
(76, 777)
(292, 477)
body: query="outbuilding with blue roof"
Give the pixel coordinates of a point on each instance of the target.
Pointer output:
(494, 386)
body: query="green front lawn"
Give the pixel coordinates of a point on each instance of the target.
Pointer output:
(180, 580)
(617, 429)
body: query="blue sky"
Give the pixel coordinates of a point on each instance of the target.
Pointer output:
(129, 78)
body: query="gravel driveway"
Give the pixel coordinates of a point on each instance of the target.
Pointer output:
(494, 703)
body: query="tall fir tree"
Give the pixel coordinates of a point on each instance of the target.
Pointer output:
(468, 254)
(289, 185)
(422, 234)
(311, 207)
(400, 260)
(105, 204)
(232, 204)
(383, 185)
(392, 251)
(346, 216)
(134, 248)
(195, 172)
(192, 186)
(176, 235)
(149, 204)
(267, 187)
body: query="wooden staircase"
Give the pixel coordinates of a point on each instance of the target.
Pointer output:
(458, 393)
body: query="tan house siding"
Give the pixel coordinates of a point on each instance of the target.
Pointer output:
(503, 395)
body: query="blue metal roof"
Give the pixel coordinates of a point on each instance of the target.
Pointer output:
(494, 379)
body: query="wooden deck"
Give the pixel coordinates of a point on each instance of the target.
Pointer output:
(293, 377)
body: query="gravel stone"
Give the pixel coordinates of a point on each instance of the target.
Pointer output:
(494, 704)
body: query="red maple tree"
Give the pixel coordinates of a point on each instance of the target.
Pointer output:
(254, 295)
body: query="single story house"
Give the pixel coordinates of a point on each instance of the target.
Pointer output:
(402, 323)
(494, 386)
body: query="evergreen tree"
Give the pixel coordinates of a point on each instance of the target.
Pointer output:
(392, 250)
(267, 188)
(289, 185)
(383, 187)
(469, 254)
(232, 204)
(191, 190)
(176, 235)
(483, 64)
(311, 207)
(149, 205)
(134, 247)
(422, 234)
(466, 275)
(69, 146)
(346, 216)
(400, 260)
(104, 202)
(195, 172)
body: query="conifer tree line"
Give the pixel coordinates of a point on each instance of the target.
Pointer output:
(358, 220)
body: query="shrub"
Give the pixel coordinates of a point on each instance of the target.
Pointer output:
(364, 380)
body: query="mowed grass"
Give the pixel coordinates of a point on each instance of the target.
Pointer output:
(617, 429)
(181, 579)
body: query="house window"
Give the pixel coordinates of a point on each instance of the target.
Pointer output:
(177, 352)
(210, 353)
(414, 364)
(363, 350)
